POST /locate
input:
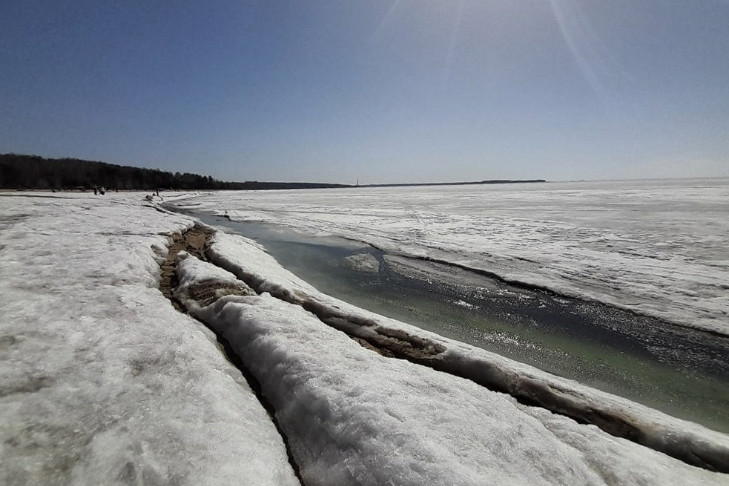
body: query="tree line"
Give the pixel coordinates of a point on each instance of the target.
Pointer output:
(34, 172)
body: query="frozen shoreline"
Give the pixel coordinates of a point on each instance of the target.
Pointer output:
(617, 415)
(104, 381)
(651, 247)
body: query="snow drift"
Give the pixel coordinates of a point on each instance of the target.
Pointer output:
(355, 417)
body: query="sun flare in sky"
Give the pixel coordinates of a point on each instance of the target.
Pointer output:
(396, 91)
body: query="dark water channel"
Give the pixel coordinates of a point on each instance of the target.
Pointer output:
(682, 372)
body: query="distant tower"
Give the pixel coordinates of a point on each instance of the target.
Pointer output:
(358, 182)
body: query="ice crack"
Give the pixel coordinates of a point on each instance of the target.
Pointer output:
(195, 241)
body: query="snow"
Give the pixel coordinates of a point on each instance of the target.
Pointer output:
(354, 417)
(653, 247)
(248, 262)
(101, 380)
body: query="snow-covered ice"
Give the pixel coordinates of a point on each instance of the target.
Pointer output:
(363, 262)
(248, 262)
(653, 247)
(101, 380)
(354, 417)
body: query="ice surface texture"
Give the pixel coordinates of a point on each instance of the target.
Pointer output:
(693, 443)
(653, 247)
(101, 380)
(354, 417)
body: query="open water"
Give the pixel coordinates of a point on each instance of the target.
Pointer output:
(676, 369)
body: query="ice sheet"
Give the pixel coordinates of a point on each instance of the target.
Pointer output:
(654, 247)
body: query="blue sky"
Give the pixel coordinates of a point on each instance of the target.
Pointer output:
(380, 91)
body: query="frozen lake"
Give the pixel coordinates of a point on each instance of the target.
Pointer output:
(650, 247)
(104, 381)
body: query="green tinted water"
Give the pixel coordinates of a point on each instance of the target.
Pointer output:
(682, 372)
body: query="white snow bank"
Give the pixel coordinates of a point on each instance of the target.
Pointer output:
(680, 438)
(101, 380)
(354, 417)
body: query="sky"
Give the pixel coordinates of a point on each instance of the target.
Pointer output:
(379, 91)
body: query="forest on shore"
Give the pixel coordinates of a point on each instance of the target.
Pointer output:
(34, 172)
(67, 174)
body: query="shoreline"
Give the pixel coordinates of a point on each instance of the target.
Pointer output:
(615, 415)
(629, 247)
(103, 379)
(602, 346)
